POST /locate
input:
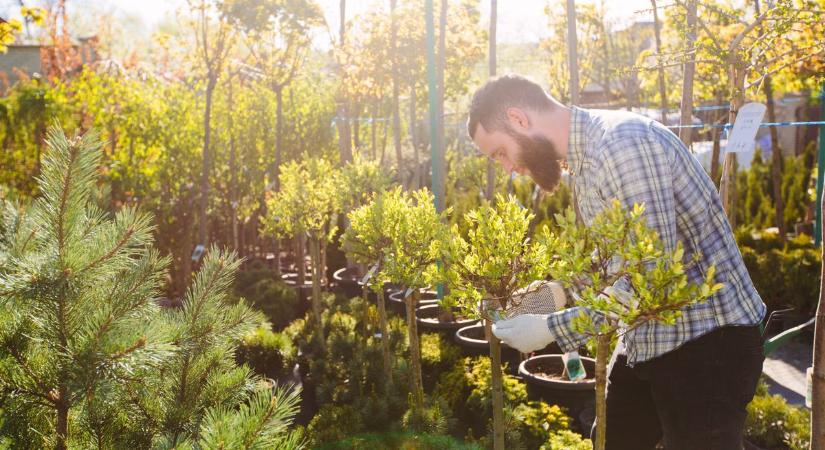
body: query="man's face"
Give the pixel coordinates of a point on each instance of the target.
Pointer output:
(526, 154)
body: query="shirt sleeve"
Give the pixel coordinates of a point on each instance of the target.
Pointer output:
(634, 169)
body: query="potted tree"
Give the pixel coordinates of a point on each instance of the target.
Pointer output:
(361, 180)
(306, 207)
(366, 243)
(624, 275)
(486, 268)
(413, 230)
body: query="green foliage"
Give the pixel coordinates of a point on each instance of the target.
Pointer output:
(540, 422)
(400, 440)
(567, 440)
(785, 277)
(267, 353)
(432, 419)
(307, 202)
(275, 299)
(773, 423)
(86, 355)
(757, 209)
(362, 179)
(618, 245)
(495, 259)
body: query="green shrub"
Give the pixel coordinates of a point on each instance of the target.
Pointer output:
(268, 353)
(438, 355)
(773, 423)
(539, 421)
(276, 300)
(433, 418)
(567, 440)
(786, 277)
(334, 423)
(399, 440)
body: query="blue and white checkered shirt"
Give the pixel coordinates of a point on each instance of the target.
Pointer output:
(621, 155)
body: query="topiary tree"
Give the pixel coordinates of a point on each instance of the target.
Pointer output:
(307, 206)
(367, 242)
(624, 276)
(88, 359)
(413, 230)
(494, 260)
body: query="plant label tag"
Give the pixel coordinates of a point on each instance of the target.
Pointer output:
(747, 122)
(408, 292)
(369, 274)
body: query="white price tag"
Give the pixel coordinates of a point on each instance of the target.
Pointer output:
(743, 134)
(369, 274)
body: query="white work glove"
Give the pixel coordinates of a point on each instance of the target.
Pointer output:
(525, 333)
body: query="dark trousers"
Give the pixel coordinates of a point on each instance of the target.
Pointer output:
(692, 398)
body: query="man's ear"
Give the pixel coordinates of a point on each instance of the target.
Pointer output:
(518, 119)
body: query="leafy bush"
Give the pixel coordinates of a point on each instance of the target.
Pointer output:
(773, 423)
(785, 277)
(567, 440)
(406, 441)
(268, 353)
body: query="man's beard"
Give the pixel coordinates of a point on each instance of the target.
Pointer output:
(539, 156)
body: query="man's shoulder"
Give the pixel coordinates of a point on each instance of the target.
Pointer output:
(620, 125)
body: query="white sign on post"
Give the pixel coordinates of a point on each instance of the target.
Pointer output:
(743, 134)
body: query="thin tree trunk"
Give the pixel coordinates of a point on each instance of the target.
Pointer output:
(300, 252)
(686, 134)
(818, 381)
(497, 384)
(416, 178)
(396, 119)
(233, 176)
(728, 185)
(417, 386)
(385, 333)
(714, 163)
(316, 291)
(62, 421)
(662, 89)
(204, 197)
(602, 355)
(373, 129)
(356, 127)
(572, 52)
(491, 169)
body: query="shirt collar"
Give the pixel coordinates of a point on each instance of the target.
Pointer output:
(577, 139)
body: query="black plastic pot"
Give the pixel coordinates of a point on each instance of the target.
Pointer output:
(472, 342)
(396, 300)
(426, 317)
(348, 282)
(573, 395)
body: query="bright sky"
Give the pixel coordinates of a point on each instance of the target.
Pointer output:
(518, 20)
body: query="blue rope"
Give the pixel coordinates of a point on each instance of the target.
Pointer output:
(763, 125)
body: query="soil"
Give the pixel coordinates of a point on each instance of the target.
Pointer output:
(556, 373)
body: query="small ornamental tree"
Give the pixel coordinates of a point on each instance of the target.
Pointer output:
(307, 206)
(621, 272)
(413, 230)
(87, 357)
(485, 268)
(366, 242)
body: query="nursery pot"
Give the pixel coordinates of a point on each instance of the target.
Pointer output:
(472, 342)
(348, 282)
(430, 319)
(396, 300)
(573, 395)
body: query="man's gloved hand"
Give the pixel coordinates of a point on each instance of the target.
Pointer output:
(525, 333)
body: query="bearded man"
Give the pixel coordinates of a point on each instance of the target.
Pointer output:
(685, 384)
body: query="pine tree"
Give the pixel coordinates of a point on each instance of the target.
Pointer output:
(88, 359)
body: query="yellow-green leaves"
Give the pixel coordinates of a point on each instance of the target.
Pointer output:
(618, 250)
(308, 202)
(495, 258)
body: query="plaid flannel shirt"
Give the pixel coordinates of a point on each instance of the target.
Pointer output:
(625, 156)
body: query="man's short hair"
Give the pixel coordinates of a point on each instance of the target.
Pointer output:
(490, 102)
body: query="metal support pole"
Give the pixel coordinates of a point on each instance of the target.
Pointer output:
(820, 169)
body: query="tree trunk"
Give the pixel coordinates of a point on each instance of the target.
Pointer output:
(728, 185)
(385, 333)
(416, 161)
(686, 134)
(818, 381)
(714, 163)
(356, 127)
(491, 169)
(497, 384)
(572, 52)
(373, 130)
(316, 291)
(300, 252)
(416, 385)
(62, 421)
(233, 177)
(276, 172)
(662, 89)
(602, 355)
(204, 197)
(396, 119)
